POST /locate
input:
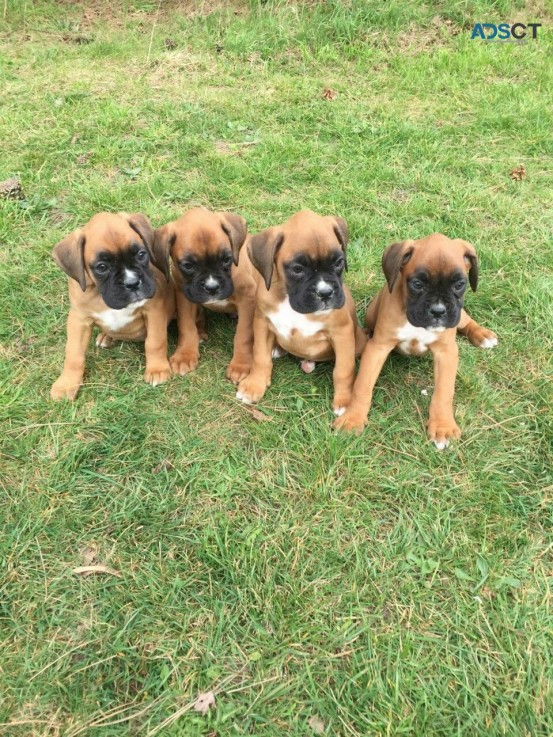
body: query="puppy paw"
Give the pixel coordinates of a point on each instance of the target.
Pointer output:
(340, 403)
(251, 389)
(65, 388)
(104, 341)
(155, 375)
(202, 336)
(483, 338)
(183, 362)
(441, 431)
(307, 367)
(237, 370)
(350, 421)
(278, 352)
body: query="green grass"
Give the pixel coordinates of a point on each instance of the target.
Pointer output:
(372, 582)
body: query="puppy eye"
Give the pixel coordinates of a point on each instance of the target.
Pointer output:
(187, 267)
(297, 269)
(339, 264)
(416, 284)
(227, 260)
(460, 285)
(142, 256)
(101, 268)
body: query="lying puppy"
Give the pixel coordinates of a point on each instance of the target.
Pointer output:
(118, 281)
(210, 271)
(302, 305)
(421, 309)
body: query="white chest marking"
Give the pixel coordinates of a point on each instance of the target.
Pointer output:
(423, 337)
(114, 320)
(285, 319)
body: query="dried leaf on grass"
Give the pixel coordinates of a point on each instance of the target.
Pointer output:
(518, 173)
(317, 725)
(204, 702)
(259, 416)
(329, 94)
(88, 570)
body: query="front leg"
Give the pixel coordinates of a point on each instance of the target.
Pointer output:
(158, 368)
(344, 369)
(252, 388)
(479, 336)
(354, 418)
(187, 354)
(441, 422)
(241, 362)
(79, 330)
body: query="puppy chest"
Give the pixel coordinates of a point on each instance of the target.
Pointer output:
(413, 341)
(289, 324)
(116, 321)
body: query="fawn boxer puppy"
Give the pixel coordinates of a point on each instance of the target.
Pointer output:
(302, 305)
(118, 280)
(421, 309)
(210, 271)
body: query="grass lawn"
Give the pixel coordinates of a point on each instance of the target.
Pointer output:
(360, 586)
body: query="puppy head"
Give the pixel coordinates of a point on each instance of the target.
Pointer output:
(113, 252)
(204, 245)
(305, 257)
(433, 274)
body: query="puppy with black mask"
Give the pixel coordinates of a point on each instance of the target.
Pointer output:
(302, 304)
(119, 281)
(211, 271)
(420, 310)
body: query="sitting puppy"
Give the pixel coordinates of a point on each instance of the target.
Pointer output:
(118, 281)
(420, 309)
(302, 305)
(210, 271)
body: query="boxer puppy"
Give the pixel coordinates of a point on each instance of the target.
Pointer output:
(210, 271)
(302, 305)
(421, 309)
(118, 280)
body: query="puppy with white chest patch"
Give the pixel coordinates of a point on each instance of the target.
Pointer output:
(420, 310)
(212, 271)
(119, 281)
(302, 305)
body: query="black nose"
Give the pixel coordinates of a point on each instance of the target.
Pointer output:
(212, 287)
(324, 291)
(438, 310)
(131, 283)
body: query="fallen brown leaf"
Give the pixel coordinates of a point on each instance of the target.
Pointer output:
(87, 570)
(204, 702)
(259, 416)
(317, 725)
(518, 173)
(89, 553)
(329, 94)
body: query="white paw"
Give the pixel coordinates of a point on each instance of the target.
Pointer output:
(103, 341)
(307, 366)
(339, 411)
(441, 444)
(488, 343)
(243, 398)
(278, 352)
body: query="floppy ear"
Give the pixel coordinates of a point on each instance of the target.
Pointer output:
(164, 238)
(142, 226)
(394, 258)
(236, 229)
(69, 256)
(341, 230)
(472, 258)
(263, 249)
